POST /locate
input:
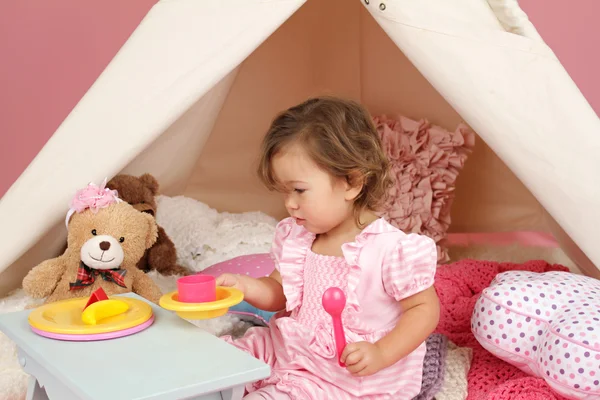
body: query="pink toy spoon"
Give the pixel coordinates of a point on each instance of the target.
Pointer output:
(334, 301)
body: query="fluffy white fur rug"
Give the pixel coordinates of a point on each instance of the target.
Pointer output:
(204, 237)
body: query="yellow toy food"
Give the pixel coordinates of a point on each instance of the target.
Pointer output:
(103, 309)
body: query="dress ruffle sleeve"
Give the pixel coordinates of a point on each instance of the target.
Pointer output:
(289, 248)
(410, 268)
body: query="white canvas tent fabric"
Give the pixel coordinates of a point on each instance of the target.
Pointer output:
(195, 86)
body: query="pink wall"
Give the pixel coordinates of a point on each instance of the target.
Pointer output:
(52, 51)
(571, 29)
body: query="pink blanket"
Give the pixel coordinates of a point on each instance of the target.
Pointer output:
(458, 285)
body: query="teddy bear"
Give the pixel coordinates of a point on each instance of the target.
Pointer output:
(140, 192)
(106, 238)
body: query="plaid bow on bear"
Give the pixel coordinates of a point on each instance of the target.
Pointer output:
(86, 276)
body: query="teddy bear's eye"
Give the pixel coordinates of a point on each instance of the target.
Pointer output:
(94, 232)
(121, 239)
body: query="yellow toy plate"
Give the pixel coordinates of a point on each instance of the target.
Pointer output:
(65, 317)
(226, 297)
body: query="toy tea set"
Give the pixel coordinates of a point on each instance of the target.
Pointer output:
(198, 297)
(100, 317)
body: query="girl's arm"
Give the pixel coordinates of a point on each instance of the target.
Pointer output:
(266, 293)
(420, 316)
(263, 293)
(421, 313)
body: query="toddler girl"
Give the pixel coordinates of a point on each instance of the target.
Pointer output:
(324, 155)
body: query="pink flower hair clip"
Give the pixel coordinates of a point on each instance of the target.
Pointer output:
(93, 197)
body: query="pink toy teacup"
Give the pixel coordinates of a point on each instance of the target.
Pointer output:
(196, 289)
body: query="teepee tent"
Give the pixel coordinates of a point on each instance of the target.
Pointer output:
(189, 95)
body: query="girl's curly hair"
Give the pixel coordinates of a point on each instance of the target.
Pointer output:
(340, 137)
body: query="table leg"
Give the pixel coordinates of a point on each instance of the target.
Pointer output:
(210, 396)
(35, 391)
(42, 385)
(234, 393)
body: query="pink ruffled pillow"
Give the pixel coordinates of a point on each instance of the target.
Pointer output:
(425, 162)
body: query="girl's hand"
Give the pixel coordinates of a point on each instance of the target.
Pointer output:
(233, 280)
(363, 358)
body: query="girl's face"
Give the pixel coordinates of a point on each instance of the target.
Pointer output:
(313, 198)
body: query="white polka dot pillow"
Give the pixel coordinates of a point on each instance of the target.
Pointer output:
(546, 324)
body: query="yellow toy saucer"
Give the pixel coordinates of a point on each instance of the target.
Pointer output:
(64, 317)
(226, 297)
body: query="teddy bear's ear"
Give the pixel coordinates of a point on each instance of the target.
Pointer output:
(150, 182)
(152, 230)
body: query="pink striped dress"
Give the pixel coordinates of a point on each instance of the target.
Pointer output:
(383, 265)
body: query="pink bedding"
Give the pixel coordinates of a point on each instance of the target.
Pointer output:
(459, 285)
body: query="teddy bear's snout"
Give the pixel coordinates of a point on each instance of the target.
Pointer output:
(102, 252)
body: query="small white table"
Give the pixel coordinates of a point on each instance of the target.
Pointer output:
(172, 359)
